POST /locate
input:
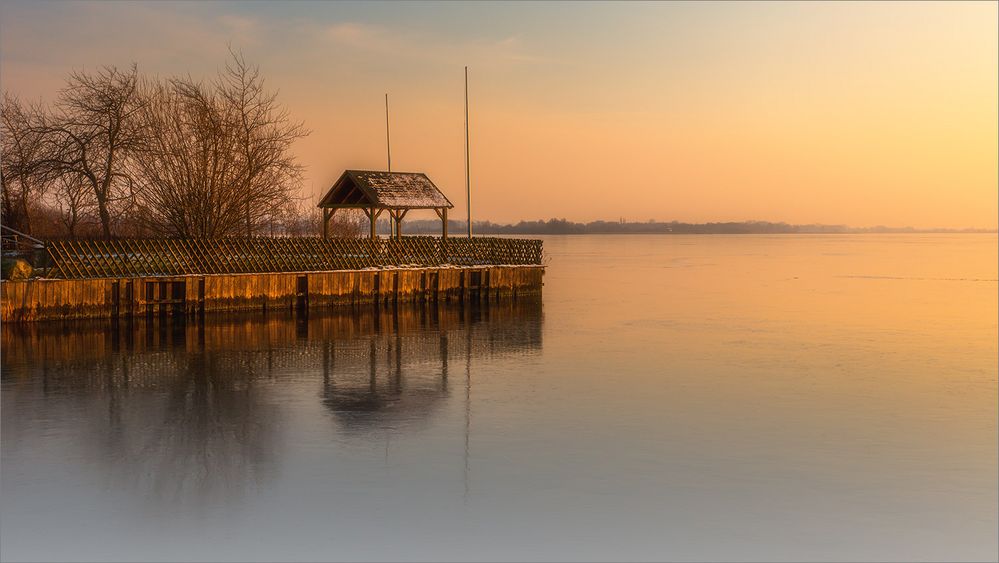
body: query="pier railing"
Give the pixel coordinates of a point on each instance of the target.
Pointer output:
(76, 259)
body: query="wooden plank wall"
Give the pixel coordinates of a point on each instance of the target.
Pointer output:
(34, 300)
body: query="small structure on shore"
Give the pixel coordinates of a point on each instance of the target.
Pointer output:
(376, 191)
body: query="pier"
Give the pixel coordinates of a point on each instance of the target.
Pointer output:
(119, 278)
(127, 277)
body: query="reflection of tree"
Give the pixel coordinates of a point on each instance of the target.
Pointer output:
(180, 410)
(181, 422)
(213, 433)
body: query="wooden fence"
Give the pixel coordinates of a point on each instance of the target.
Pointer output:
(81, 259)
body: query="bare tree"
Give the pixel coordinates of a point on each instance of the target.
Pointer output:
(187, 170)
(305, 219)
(171, 157)
(21, 149)
(92, 135)
(217, 160)
(74, 201)
(265, 135)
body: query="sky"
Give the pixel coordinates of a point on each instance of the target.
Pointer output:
(862, 114)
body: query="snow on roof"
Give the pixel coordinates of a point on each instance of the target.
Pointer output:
(370, 188)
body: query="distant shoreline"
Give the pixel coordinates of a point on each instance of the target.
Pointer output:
(563, 227)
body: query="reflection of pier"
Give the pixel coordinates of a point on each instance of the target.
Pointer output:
(147, 352)
(187, 406)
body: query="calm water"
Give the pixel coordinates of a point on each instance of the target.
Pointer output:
(684, 397)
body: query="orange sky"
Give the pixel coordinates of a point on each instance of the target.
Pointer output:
(855, 113)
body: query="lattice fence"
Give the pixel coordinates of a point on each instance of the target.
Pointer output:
(172, 257)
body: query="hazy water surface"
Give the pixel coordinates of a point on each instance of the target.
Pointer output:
(673, 397)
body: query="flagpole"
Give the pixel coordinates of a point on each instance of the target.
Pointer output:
(388, 141)
(388, 151)
(468, 179)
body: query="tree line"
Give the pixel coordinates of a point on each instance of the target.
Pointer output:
(122, 154)
(565, 227)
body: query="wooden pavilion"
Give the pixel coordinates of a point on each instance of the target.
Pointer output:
(376, 191)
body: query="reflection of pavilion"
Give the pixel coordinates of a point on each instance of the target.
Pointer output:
(398, 370)
(360, 396)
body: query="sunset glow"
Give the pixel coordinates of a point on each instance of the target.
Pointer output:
(841, 113)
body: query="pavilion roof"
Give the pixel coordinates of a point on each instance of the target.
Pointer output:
(392, 190)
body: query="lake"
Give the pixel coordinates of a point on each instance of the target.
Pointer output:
(814, 397)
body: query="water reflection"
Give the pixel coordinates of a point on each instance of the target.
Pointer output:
(733, 398)
(364, 365)
(190, 412)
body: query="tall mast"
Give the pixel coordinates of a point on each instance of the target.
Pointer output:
(388, 141)
(468, 179)
(388, 150)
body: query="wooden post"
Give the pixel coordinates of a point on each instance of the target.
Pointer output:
(442, 247)
(400, 215)
(327, 215)
(370, 212)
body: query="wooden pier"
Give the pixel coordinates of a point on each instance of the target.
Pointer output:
(128, 277)
(53, 299)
